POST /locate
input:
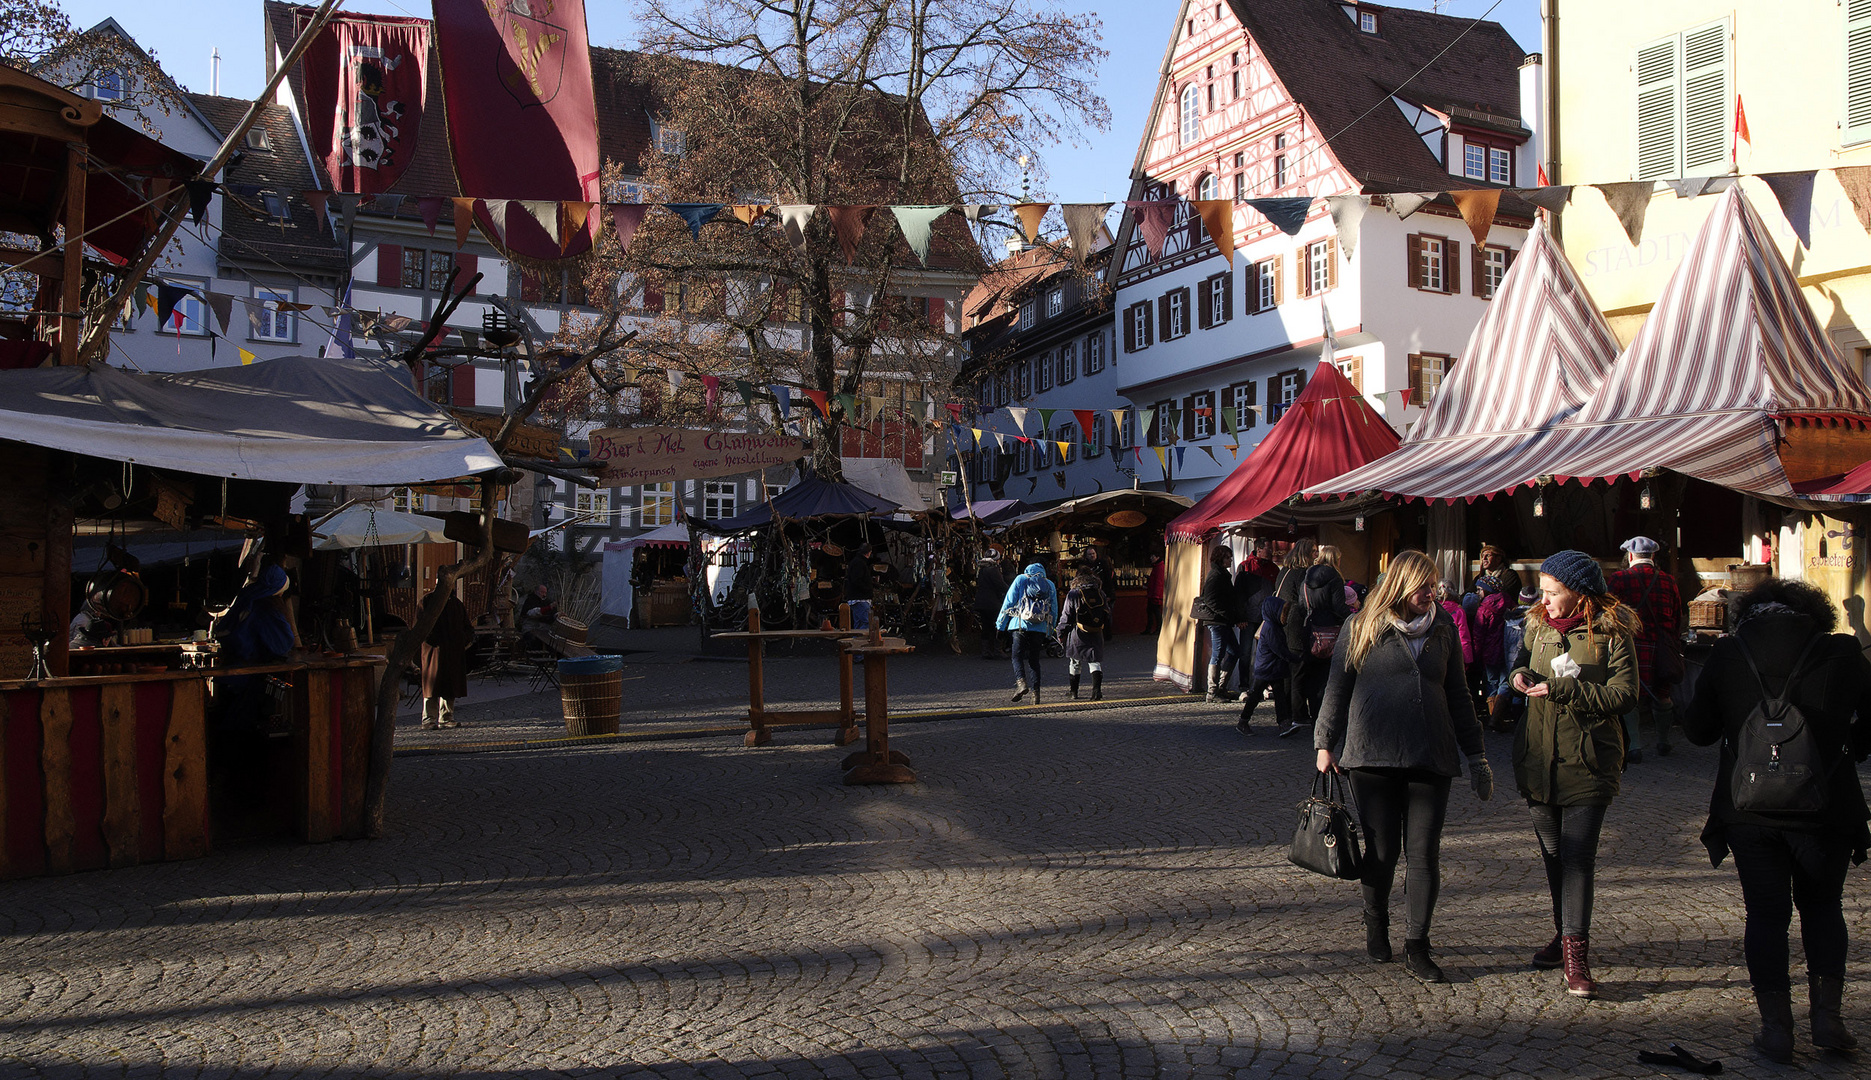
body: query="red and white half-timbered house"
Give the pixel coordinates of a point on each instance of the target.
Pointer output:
(1315, 98)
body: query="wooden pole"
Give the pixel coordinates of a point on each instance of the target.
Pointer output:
(71, 290)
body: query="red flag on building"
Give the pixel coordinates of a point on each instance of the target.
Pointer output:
(521, 118)
(365, 81)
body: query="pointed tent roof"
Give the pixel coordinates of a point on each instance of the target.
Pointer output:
(1532, 361)
(1730, 348)
(809, 498)
(1329, 429)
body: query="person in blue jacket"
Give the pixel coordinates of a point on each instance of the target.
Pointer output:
(1029, 613)
(1273, 663)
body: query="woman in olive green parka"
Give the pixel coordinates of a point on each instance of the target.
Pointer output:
(1578, 668)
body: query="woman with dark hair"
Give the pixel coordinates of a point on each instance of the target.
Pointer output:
(1578, 668)
(1783, 646)
(1083, 623)
(1398, 717)
(1289, 586)
(1322, 607)
(1216, 604)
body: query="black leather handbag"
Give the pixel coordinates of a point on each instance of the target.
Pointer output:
(1326, 839)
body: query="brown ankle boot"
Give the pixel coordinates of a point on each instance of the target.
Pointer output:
(1497, 713)
(1578, 968)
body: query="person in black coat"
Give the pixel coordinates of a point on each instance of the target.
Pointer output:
(990, 586)
(1289, 585)
(1789, 860)
(1272, 666)
(1321, 606)
(1219, 617)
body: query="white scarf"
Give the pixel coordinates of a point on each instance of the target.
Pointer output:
(1416, 631)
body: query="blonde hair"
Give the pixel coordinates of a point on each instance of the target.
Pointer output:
(1328, 554)
(1409, 572)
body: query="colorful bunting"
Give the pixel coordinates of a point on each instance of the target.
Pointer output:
(573, 217)
(695, 214)
(793, 221)
(1162, 459)
(1218, 218)
(431, 208)
(1794, 190)
(1347, 216)
(1211, 456)
(1030, 215)
(1084, 418)
(783, 395)
(819, 402)
(245, 356)
(1154, 217)
(748, 213)
(1856, 180)
(848, 223)
(318, 199)
(1288, 214)
(974, 212)
(1019, 418)
(918, 223)
(1403, 204)
(1630, 201)
(1082, 221)
(625, 217)
(1550, 199)
(1477, 208)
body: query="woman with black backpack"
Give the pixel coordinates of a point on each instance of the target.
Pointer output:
(1312, 628)
(1780, 693)
(1082, 625)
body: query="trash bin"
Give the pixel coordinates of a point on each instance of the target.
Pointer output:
(592, 691)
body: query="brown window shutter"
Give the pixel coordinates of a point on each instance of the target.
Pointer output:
(1302, 274)
(1273, 395)
(390, 266)
(1510, 260)
(1130, 328)
(1226, 283)
(1204, 289)
(1300, 385)
(1253, 394)
(1331, 263)
(468, 265)
(1162, 318)
(461, 386)
(1475, 268)
(1356, 375)
(652, 297)
(1413, 251)
(1279, 280)
(938, 313)
(1251, 301)
(1188, 417)
(1452, 267)
(1414, 369)
(1185, 308)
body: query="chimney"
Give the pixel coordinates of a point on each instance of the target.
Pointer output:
(1014, 245)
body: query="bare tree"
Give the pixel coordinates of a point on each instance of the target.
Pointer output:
(839, 103)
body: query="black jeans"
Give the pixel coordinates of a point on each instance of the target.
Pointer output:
(1781, 870)
(1568, 838)
(1308, 682)
(1282, 700)
(1401, 812)
(1028, 647)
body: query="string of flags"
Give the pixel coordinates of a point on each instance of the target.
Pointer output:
(1628, 200)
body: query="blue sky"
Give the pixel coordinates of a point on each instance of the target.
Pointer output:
(184, 32)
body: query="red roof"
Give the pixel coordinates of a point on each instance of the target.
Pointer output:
(1330, 430)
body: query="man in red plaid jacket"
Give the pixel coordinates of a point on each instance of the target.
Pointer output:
(1657, 601)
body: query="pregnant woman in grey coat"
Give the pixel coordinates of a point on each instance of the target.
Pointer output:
(1398, 716)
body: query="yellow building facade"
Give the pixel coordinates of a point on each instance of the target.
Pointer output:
(1650, 91)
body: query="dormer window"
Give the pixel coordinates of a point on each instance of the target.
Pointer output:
(1367, 21)
(667, 139)
(108, 86)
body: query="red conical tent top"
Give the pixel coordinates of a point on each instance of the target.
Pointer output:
(1329, 431)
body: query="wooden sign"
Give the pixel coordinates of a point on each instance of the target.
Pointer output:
(528, 440)
(464, 527)
(652, 455)
(1126, 519)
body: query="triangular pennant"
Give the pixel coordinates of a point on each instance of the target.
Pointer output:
(1117, 419)
(1162, 458)
(1630, 201)
(695, 214)
(1145, 414)
(1045, 419)
(625, 218)
(974, 212)
(1218, 218)
(1856, 180)
(917, 223)
(1211, 456)
(783, 395)
(746, 390)
(544, 211)
(1227, 421)
(431, 208)
(1405, 203)
(1019, 418)
(1403, 398)
(573, 217)
(819, 398)
(464, 217)
(1688, 187)
(245, 356)
(748, 213)
(1233, 448)
(347, 209)
(1347, 217)
(1082, 221)
(223, 307)
(1030, 215)
(848, 224)
(167, 297)
(1084, 418)
(1477, 208)
(876, 405)
(1064, 449)
(199, 192)
(1000, 441)
(318, 200)
(711, 389)
(793, 221)
(1154, 217)
(387, 204)
(1289, 215)
(471, 339)
(1550, 199)
(977, 435)
(848, 404)
(1795, 192)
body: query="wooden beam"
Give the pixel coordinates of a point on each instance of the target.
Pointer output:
(61, 823)
(185, 775)
(71, 292)
(123, 824)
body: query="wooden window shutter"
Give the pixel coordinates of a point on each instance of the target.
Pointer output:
(1130, 328)
(390, 266)
(1414, 369)
(938, 313)
(1204, 289)
(652, 298)
(461, 385)
(1657, 85)
(1163, 332)
(1477, 269)
(1226, 284)
(1707, 104)
(1452, 266)
(1253, 395)
(1252, 297)
(1186, 313)
(1279, 279)
(468, 264)
(1145, 326)
(1299, 386)
(1509, 253)
(1273, 395)
(1303, 273)
(1857, 127)
(1413, 249)
(1331, 262)
(1356, 373)
(530, 290)
(1188, 417)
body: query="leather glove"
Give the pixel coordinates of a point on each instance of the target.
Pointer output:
(1481, 777)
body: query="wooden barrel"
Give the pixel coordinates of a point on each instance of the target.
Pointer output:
(572, 630)
(591, 689)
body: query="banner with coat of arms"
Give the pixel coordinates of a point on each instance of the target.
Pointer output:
(522, 121)
(366, 80)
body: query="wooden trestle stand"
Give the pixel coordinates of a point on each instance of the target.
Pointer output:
(761, 721)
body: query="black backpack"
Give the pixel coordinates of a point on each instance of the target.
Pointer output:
(1778, 764)
(1092, 616)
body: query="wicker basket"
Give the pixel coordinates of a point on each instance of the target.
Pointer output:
(1708, 615)
(572, 630)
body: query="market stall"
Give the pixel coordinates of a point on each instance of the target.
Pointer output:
(1126, 527)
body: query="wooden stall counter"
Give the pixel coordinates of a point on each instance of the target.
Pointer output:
(114, 770)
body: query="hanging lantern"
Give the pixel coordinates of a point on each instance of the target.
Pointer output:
(1292, 526)
(1539, 503)
(1643, 498)
(1357, 523)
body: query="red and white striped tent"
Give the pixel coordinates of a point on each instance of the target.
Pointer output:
(1532, 361)
(1731, 352)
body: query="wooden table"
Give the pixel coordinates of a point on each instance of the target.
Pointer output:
(876, 763)
(760, 720)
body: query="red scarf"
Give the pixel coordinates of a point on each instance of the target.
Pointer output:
(1566, 625)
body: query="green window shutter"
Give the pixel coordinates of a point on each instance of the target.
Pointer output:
(1657, 150)
(1857, 126)
(1708, 106)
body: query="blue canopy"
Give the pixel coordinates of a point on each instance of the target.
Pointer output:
(809, 498)
(992, 511)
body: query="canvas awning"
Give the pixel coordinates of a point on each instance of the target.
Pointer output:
(991, 511)
(1098, 510)
(666, 536)
(887, 479)
(362, 525)
(809, 498)
(1330, 429)
(1532, 361)
(296, 420)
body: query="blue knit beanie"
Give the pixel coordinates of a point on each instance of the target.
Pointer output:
(1576, 571)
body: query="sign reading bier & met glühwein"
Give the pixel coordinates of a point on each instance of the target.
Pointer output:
(651, 455)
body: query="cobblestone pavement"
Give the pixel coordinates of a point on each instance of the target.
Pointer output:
(1093, 894)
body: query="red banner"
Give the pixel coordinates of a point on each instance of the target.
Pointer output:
(522, 123)
(365, 82)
